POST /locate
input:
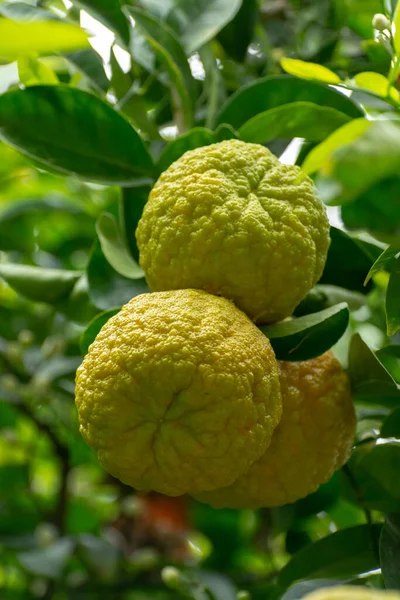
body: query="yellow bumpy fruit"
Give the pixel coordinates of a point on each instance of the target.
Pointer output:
(232, 220)
(178, 393)
(312, 440)
(348, 592)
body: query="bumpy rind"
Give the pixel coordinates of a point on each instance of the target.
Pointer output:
(178, 393)
(312, 440)
(231, 219)
(348, 592)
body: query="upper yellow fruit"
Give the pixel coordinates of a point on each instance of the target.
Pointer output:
(178, 393)
(313, 438)
(352, 593)
(231, 219)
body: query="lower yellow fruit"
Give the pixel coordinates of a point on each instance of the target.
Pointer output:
(178, 393)
(348, 592)
(313, 439)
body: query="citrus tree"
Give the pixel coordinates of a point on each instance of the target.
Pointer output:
(98, 99)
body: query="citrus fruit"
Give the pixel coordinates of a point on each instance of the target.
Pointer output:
(178, 393)
(312, 440)
(348, 592)
(232, 220)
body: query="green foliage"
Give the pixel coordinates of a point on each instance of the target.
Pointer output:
(84, 134)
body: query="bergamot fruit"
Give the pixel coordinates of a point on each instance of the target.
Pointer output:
(312, 440)
(232, 220)
(347, 592)
(178, 393)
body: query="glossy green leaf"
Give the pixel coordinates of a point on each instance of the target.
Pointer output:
(108, 289)
(309, 336)
(77, 307)
(297, 119)
(384, 262)
(195, 138)
(307, 70)
(49, 561)
(71, 131)
(90, 333)
(89, 63)
(391, 425)
(392, 299)
(272, 92)
(349, 260)
(20, 11)
(43, 37)
(109, 13)
(323, 296)
(389, 549)
(131, 206)
(37, 283)
(370, 381)
(31, 71)
(115, 249)
(320, 156)
(389, 356)
(343, 554)
(169, 51)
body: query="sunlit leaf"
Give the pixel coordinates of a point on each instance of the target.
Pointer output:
(43, 37)
(31, 71)
(307, 70)
(377, 84)
(320, 156)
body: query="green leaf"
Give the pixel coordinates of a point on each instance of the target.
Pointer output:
(71, 131)
(195, 138)
(77, 307)
(199, 22)
(43, 37)
(390, 358)
(384, 262)
(309, 336)
(389, 549)
(238, 34)
(343, 554)
(19, 11)
(391, 425)
(89, 63)
(49, 561)
(392, 299)
(368, 212)
(370, 381)
(297, 119)
(115, 249)
(108, 289)
(324, 296)
(308, 70)
(366, 159)
(349, 260)
(377, 84)
(271, 92)
(109, 13)
(396, 35)
(169, 51)
(37, 283)
(31, 71)
(375, 470)
(302, 589)
(320, 156)
(132, 203)
(91, 331)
